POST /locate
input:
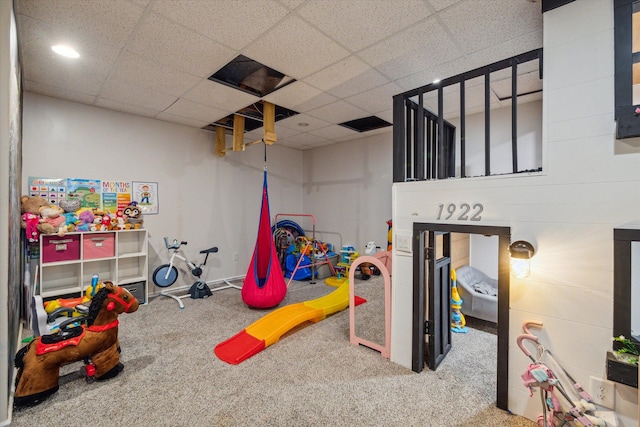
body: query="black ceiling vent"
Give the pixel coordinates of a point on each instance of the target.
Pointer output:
(251, 76)
(366, 124)
(252, 117)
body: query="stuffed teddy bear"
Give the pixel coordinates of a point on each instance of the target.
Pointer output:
(52, 215)
(31, 220)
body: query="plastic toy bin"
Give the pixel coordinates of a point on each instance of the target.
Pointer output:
(55, 248)
(100, 245)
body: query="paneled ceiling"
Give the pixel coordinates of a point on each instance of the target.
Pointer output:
(153, 58)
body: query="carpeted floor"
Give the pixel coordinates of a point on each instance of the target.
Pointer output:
(312, 377)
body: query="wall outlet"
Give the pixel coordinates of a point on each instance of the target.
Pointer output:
(603, 392)
(235, 256)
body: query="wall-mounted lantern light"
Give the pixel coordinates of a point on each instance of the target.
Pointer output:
(521, 253)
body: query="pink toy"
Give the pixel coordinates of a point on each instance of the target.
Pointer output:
(32, 221)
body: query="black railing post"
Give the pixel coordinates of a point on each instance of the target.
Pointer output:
(463, 134)
(398, 139)
(420, 154)
(487, 122)
(514, 115)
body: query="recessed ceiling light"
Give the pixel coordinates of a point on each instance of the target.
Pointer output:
(436, 81)
(65, 51)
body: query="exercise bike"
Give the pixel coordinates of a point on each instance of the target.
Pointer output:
(167, 274)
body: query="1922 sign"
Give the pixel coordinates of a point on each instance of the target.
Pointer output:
(464, 212)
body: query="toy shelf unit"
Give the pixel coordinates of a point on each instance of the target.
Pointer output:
(68, 263)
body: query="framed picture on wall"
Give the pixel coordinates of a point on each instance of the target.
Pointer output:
(146, 194)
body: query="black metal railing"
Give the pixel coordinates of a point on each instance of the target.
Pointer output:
(424, 143)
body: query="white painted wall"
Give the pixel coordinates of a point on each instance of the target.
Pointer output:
(347, 187)
(529, 137)
(568, 212)
(483, 254)
(204, 199)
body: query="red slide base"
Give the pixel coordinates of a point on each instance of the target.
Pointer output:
(238, 348)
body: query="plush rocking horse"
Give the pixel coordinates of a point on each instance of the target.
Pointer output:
(96, 343)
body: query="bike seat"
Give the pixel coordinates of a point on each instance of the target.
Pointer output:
(210, 250)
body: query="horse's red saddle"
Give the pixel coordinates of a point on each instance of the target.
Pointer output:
(63, 338)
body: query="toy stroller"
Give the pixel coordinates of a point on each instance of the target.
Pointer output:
(546, 374)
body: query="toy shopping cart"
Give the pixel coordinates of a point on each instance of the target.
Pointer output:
(561, 405)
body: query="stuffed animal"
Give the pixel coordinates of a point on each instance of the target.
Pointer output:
(133, 215)
(71, 218)
(31, 219)
(85, 219)
(53, 215)
(70, 205)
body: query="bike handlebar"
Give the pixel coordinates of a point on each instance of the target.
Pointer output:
(174, 245)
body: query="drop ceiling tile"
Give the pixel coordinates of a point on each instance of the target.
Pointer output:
(234, 24)
(333, 132)
(195, 111)
(59, 72)
(338, 73)
(408, 49)
(217, 95)
(506, 50)
(131, 109)
(299, 96)
(163, 41)
(135, 69)
(295, 48)
(338, 112)
(141, 3)
(312, 123)
(360, 135)
(377, 99)
(182, 120)
(285, 132)
(442, 4)
(95, 57)
(107, 22)
(441, 71)
(502, 20)
(358, 84)
(358, 24)
(292, 3)
(139, 96)
(56, 92)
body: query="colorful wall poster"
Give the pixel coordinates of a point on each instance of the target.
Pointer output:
(52, 189)
(146, 194)
(116, 195)
(87, 191)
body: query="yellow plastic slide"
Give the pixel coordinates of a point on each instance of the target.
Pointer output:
(268, 329)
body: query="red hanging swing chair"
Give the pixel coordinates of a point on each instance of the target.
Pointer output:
(264, 285)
